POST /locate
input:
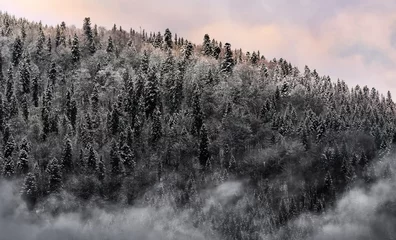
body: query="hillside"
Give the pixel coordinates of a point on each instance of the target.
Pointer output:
(212, 142)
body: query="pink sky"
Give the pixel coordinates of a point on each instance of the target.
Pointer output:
(353, 40)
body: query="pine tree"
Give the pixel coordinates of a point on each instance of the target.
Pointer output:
(151, 93)
(168, 39)
(17, 51)
(54, 176)
(67, 157)
(207, 46)
(30, 191)
(110, 46)
(75, 50)
(23, 162)
(228, 61)
(115, 159)
(203, 147)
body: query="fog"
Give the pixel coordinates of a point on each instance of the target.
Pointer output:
(361, 213)
(98, 223)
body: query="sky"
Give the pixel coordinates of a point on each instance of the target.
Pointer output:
(353, 40)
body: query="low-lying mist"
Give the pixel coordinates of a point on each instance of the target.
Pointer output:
(363, 212)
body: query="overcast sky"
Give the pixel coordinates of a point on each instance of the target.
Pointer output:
(354, 40)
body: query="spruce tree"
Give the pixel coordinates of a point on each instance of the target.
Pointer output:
(110, 46)
(2, 79)
(40, 43)
(23, 162)
(45, 118)
(115, 162)
(228, 61)
(188, 51)
(71, 109)
(62, 39)
(25, 107)
(95, 100)
(156, 129)
(158, 40)
(75, 50)
(151, 93)
(9, 147)
(52, 73)
(9, 168)
(2, 113)
(67, 157)
(216, 52)
(100, 169)
(81, 163)
(49, 45)
(197, 113)
(115, 120)
(177, 91)
(91, 160)
(17, 51)
(204, 147)
(35, 91)
(54, 173)
(29, 191)
(207, 46)
(89, 37)
(57, 36)
(144, 63)
(25, 145)
(24, 74)
(254, 58)
(128, 159)
(168, 39)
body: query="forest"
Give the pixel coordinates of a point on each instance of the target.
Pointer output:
(206, 141)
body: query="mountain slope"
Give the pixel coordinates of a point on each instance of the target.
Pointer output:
(111, 117)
